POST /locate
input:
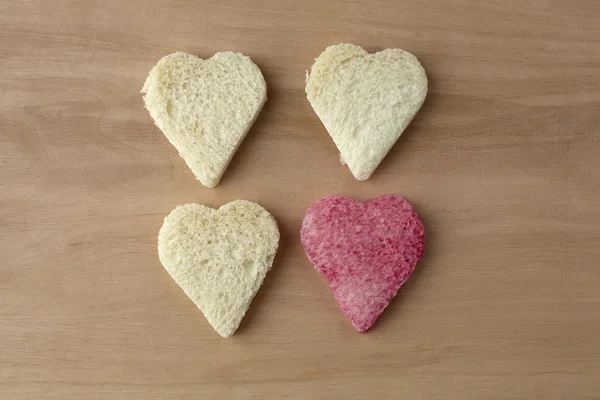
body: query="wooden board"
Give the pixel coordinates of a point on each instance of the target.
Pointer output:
(502, 162)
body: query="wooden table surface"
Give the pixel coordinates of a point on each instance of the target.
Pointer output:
(502, 163)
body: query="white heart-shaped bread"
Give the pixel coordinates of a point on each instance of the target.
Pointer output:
(219, 257)
(205, 107)
(365, 101)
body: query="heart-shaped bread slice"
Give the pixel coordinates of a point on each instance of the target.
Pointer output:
(219, 257)
(365, 250)
(205, 107)
(365, 101)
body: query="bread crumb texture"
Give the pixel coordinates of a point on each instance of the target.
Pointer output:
(366, 251)
(205, 107)
(365, 101)
(219, 257)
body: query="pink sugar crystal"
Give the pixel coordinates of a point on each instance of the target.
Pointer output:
(365, 250)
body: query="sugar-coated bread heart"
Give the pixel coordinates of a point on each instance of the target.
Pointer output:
(205, 107)
(365, 250)
(219, 257)
(365, 101)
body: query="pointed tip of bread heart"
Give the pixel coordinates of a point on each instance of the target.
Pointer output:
(219, 257)
(225, 332)
(365, 101)
(366, 251)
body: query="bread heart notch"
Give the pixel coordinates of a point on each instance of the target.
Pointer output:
(219, 257)
(366, 251)
(365, 101)
(205, 107)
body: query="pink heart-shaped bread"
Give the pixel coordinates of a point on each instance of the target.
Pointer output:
(365, 250)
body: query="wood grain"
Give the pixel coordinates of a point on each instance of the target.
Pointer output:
(502, 162)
